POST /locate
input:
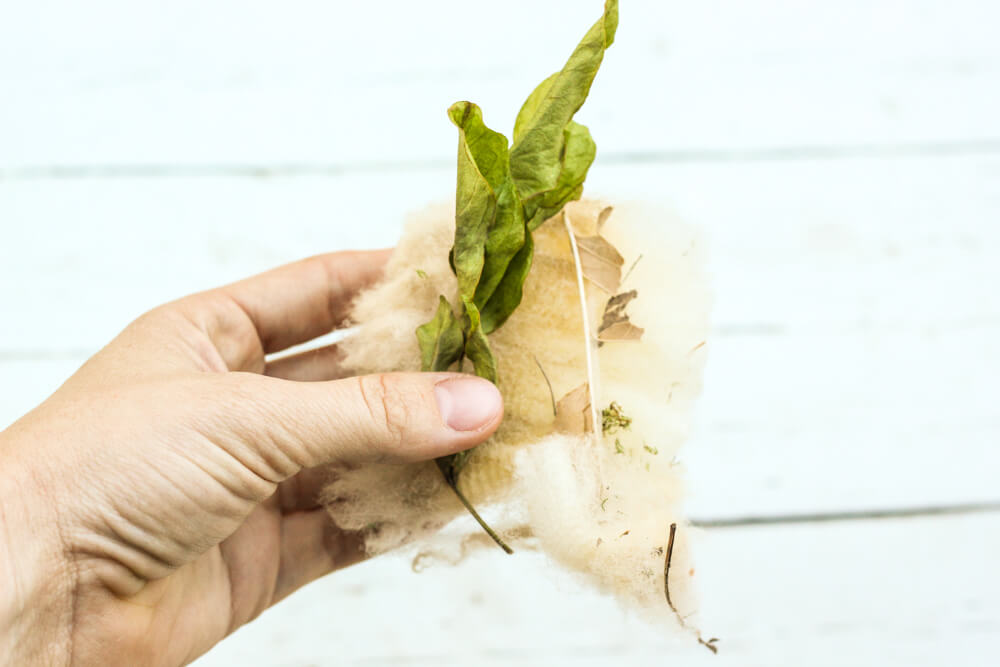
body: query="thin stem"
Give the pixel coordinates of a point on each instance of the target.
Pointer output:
(475, 515)
(591, 375)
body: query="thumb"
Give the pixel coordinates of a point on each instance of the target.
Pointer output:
(392, 417)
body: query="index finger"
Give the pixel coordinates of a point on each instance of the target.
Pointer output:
(297, 302)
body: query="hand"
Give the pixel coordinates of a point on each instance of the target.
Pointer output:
(166, 494)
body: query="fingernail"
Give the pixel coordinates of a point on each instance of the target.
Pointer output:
(467, 404)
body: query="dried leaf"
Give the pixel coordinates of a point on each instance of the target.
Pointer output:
(600, 262)
(614, 419)
(603, 216)
(477, 348)
(573, 411)
(620, 331)
(475, 200)
(441, 340)
(507, 295)
(576, 160)
(540, 128)
(503, 193)
(615, 325)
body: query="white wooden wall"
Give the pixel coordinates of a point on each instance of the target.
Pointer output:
(843, 158)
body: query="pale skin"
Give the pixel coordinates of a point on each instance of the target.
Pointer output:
(167, 493)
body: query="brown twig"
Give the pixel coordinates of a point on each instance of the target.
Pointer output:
(551, 393)
(710, 644)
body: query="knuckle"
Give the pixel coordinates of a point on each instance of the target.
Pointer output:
(390, 406)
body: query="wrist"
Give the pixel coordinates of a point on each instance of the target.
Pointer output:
(36, 591)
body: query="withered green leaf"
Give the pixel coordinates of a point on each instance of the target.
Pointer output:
(477, 348)
(503, 193)
(507, 296)
(539, 133)
(505, 238)
(441, 340)
(481, 154)
(576, 160)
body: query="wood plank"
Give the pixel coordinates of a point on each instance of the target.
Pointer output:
(188, 82)
(857, 339)
(913, 592)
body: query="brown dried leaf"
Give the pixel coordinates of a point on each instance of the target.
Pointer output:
(620, 331)
(603, 216)
(615, 325)
(573, 411)
(600, 262)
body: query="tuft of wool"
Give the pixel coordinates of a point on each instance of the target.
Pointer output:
(598, 506)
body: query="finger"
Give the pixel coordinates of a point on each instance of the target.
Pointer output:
(277, 428)
(291, 304)
(313, 546)
(323, 363)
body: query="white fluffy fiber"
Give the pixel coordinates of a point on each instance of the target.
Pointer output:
(594, 510)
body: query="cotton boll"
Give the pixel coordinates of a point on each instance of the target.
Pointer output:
(600, 506)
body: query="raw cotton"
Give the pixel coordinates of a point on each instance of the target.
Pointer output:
(600, 505)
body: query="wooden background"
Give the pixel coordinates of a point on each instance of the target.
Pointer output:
(842, 157)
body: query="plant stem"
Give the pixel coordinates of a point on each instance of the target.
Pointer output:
(475, 515)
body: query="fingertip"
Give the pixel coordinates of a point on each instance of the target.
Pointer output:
(469, 404)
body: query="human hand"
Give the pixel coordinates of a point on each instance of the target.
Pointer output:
(166, 494)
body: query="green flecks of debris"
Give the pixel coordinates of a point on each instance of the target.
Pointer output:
(652, 450)
(604, 501)
(422, 274)
(618, 447)
(613, 419)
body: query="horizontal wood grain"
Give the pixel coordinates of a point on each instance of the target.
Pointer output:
(193, 83)
(908, 592)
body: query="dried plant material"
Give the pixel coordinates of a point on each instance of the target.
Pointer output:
(601, 262)
(573, 411)
(613, 419)
(631, 268)
(615, 324)
(552, 395)
(620, 331)
(603, 216)
(526, 475)
(504, 192)
(589, 342)
(709, 644)
(615, 317)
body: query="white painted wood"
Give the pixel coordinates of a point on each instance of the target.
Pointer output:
(915, 592)
(189, 82)
(857, 340)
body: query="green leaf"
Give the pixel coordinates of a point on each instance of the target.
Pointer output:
(488, 148)
(505, 238)
(477, 347)
(539, 134)
(507, 296)
(576, 160)
(480, 162)
(441, 340)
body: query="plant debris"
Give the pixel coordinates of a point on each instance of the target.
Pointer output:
(573, 411)
(505, 190)
(652, 450)
(600, 262)
(710, 644)
(615, 324)
(613, 419)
